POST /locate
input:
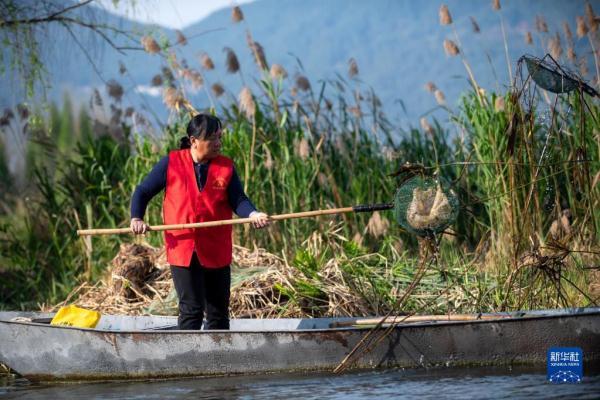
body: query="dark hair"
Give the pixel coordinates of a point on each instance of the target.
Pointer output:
(202, 126)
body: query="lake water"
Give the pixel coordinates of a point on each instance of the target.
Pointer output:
(475, 383)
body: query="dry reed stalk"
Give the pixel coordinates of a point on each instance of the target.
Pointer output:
(278, 72)
(445, 17)
(206, 62)
(352, 68)
(528, 38)
(496, 5)
(181, 39)
(236, 14)
(217, 89)
(231, 60)
(150, 45)
(451, 48)
(475, 25)
(247, 104)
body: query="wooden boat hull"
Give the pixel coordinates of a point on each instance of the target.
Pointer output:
(41, 352)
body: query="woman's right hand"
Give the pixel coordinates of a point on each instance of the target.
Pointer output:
(138, 226)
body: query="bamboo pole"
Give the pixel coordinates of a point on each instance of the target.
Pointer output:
(237, 221)
(415, 318)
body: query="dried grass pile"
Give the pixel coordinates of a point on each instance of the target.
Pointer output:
(263, 286)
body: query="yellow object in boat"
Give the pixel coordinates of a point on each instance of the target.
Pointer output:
(76, 316)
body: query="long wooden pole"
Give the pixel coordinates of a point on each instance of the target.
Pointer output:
(415, 318)
(238, 221)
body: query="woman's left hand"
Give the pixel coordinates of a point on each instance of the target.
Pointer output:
(259, 219)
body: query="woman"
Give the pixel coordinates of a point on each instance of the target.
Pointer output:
(200, 185)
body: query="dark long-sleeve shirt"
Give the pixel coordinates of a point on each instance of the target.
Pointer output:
(156, 181)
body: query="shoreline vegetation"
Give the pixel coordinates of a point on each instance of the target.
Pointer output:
(524, 165)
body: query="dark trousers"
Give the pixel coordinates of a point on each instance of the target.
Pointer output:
(202, 289)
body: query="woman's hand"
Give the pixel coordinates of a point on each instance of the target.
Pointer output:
(138, 226)
(259, 219)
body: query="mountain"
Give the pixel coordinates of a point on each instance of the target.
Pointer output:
(397, 44)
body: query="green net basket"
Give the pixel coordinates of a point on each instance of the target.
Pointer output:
(425, 205)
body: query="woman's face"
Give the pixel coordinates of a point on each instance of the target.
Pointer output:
(207, 149)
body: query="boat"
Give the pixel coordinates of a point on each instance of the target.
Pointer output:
(150, 347)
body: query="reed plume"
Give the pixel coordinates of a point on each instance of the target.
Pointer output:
(430, 87)
(268, 163)
(258, 52)
(426, 126)
(217, 89)
(206, 62)
(568, 33)
(528, 38)
(583, 67)
(303, 149)
(377, 225)
(475, 25)
(150, 45)
(181, 39)
(231, 60)
(591, 17)
(278, 72)
(114, 89)
(196, 79)
(571, 55)
(356, 111)
(445, 17)
(555, 46)
(172, 98)
(496, 5)
(122, 68)
(247, 104)
(236, 14)
(540, 24)
(352, 68)
(439, 97)
(451, 48)
(499, 104)
(582, 28)
(303, 83)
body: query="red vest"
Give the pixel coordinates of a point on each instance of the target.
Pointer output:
(184, 203)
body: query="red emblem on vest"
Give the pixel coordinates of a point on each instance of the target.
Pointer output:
(219, 184)
(184, 203)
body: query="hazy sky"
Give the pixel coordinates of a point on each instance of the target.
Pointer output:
(170, 13)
